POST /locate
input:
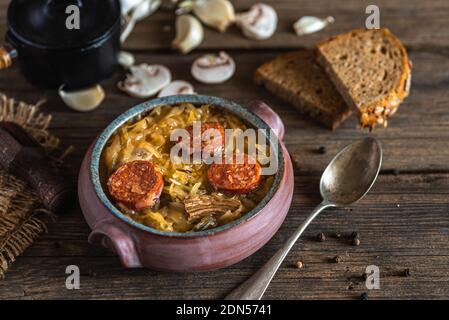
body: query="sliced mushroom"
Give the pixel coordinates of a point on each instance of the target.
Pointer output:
(218, 14)
(307, 24)
(259, 22)
(200, 206)
(177, 87)
(83, 100)
(213, 68)
(189, 33)
(125, 59)
(145, 80)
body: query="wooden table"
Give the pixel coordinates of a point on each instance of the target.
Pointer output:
(403, 223)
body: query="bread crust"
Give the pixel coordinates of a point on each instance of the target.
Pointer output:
(276, 84)
(376, 112)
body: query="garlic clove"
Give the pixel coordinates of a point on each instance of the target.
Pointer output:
(145, 9)
(83, 100)
(177, 87)
(213, 68)
(259, 22)
(127, 5)
(189, 33)
(125, 59)
(145, 80)
(218, 14)
(308, 24)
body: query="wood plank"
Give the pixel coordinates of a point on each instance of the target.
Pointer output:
(412, 235)
(417, 23)
(415, 141)
(403, 222)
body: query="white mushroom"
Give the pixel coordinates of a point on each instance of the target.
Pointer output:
(125, 59)
(218, 14)
(145, 80)
(308, 24)
(259, 22)
(177, 87)
(213, 68)
(83, 100)
(189, 33)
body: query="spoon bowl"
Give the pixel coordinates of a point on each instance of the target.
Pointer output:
(352, 172)
(347, 178)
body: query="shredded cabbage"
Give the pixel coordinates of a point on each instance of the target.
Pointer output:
(148, 138)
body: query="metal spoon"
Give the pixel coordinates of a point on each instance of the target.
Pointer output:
(347, 179)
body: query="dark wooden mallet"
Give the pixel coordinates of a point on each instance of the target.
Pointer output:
(22, 156)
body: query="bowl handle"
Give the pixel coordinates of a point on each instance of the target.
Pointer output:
(269, 116)
(7, 54)
(111, 236)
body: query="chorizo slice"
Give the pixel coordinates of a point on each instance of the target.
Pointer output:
(236, 178)
(136, 184)
(212, 138)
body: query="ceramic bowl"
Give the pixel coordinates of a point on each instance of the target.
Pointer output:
(141, 246)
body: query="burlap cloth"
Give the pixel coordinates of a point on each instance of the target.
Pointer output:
(22, 216)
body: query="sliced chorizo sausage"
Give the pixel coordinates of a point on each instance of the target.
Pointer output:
(212, 138)
(237, 178)
(136, 184)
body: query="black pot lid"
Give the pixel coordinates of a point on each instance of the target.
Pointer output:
(42, 23)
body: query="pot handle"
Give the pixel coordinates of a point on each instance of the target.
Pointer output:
(107, 234)
(6, 56)
(269, 116)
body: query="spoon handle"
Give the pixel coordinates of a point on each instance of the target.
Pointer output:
(254, 287)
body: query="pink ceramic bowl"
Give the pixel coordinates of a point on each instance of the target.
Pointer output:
(141, 246)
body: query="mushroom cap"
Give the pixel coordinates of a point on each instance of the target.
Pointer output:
(177, 87)
(212, 69)
(145, 80)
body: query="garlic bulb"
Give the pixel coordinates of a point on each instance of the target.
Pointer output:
(145, 80)
(218, 14)
(308, 24)
(83, 100)
(189, 33)
(259, 22)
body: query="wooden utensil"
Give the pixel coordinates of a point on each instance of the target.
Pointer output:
(22, 156)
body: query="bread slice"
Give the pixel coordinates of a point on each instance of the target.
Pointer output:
(370, 69)
(296, 78)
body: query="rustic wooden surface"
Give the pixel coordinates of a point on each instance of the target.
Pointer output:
(403, 223)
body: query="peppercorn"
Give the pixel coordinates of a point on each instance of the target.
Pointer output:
(321, 237)
(354, 235)
(356, 242)
(298, 264)
(322, 150)
(338, 235)
(338, 259)
(364, 296)
(407, 272)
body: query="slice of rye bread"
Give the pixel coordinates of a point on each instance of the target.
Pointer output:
(370, 69)
(296, 78)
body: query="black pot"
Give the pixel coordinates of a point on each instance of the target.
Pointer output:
(51, 54)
